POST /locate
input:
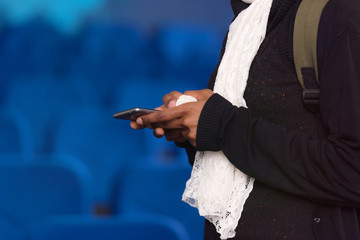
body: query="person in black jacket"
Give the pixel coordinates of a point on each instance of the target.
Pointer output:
(306, 165)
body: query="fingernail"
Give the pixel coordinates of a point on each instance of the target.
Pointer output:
(172, 104)
(139, 121)
(157, 134)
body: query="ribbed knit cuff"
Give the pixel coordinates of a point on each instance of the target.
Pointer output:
(210, 123)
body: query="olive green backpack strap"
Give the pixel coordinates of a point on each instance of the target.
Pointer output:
(305, 45)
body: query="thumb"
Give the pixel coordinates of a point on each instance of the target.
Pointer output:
(162, 107)
(200, 95)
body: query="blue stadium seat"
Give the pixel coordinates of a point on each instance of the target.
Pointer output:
(181, 42)
(16, 133)
(9, 231)
(34, 190)
(109, 53)
(103, 143)
(189, 51)
(31, 48)
(122, 227)
(112, 47)
(161, 151)
(139, 92)
(43, 101)
(158, 189)
(147, 92)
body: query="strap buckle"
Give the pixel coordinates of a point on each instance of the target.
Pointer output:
(311, 98)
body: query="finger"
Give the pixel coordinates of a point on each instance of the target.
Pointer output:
(171, 98)
(186, 135)
(174, 135)
(172, 124)
(200, 95)
(159, 132)
(172, 104)
(134, 125)
(162, 107)
(139, 122)
(153, 119)
(193, 143)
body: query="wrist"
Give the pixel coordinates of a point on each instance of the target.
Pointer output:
(211, 123)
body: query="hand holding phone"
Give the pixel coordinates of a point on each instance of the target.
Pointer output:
(133, 113)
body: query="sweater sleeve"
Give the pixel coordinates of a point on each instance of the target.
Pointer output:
(324, 170)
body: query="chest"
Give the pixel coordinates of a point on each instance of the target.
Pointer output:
(273, 91)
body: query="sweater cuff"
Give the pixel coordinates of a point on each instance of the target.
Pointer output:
(210, 122)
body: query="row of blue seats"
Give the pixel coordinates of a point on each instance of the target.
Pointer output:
(64, 114)
(125, 227)
(65, 91)
(104, 49)
(46, 110)
(49, 186)
(91, 134)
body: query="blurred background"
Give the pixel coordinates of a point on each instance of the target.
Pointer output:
(68, 170)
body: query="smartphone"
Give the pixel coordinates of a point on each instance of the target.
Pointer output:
(132, 114)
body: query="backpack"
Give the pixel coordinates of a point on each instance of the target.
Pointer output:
(304, 47)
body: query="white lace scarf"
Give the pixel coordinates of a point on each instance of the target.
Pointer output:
(216, 187)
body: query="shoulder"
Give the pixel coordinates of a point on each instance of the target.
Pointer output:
(351, 9)
(341, 16)
(339, 21)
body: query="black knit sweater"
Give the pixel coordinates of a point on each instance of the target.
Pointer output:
(307, 167)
